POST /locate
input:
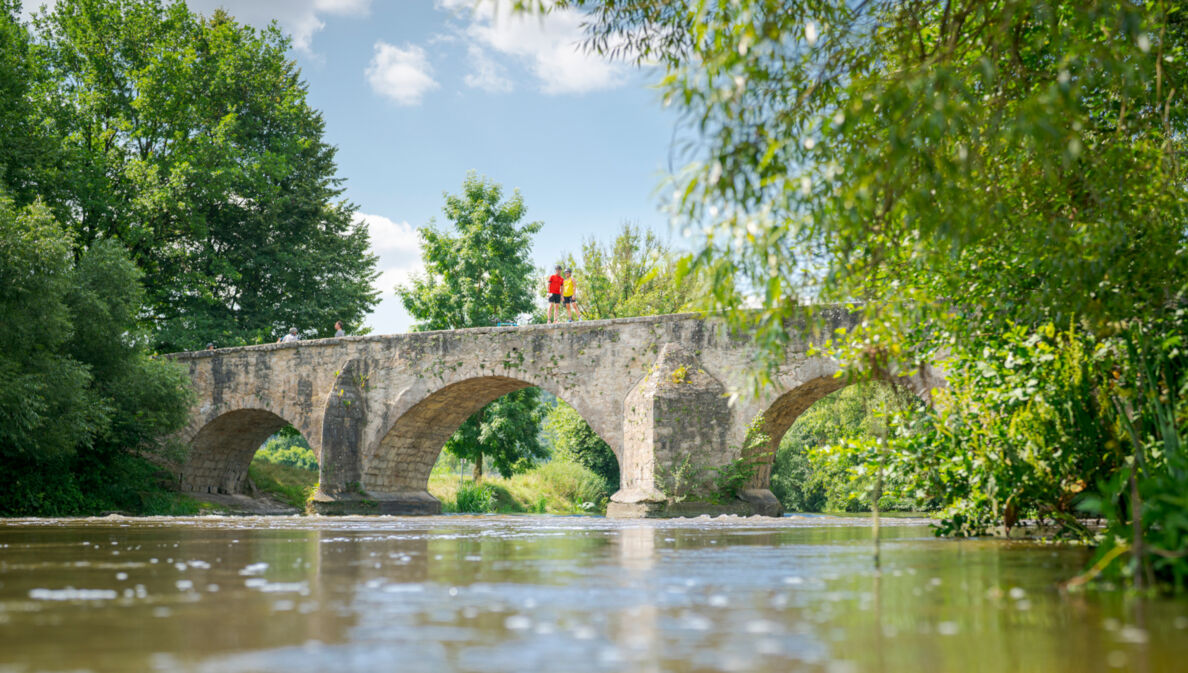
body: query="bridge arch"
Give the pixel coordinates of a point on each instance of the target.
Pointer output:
(222, 449)
(401, 458)
(781, 413)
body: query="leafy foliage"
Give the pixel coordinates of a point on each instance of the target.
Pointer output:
(288, 447)
(635, 275)
(822, 461)
(77, 390)
(962, 165)
(573, 440)
(475, 498)
(480, 273)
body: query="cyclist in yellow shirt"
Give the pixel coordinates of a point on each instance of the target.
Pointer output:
(567, 297)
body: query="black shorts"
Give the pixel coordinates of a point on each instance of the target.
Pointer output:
(555, 298)
(567, 300)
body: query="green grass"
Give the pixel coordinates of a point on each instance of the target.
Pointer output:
(291, 485)
(557, 487)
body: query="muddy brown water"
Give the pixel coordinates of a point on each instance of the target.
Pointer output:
(491, 594)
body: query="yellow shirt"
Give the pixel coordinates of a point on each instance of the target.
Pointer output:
(567, 288)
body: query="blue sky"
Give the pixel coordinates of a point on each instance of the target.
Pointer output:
(416, 93)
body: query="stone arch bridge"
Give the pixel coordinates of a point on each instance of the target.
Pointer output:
(377, 410)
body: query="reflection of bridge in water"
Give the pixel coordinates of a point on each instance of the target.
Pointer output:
(378, 409)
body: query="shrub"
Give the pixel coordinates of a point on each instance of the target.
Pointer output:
(475, 498)
(288, 447)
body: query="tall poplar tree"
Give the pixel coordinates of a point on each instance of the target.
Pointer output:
(476, 274)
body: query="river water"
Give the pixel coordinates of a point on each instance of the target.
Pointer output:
(493, 594)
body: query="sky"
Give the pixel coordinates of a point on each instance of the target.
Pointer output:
(416, 93)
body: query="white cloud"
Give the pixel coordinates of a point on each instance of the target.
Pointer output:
(398, 247)
(299, 18)
(485, 73)
(402, 74)
(549, 44)
(389, 236)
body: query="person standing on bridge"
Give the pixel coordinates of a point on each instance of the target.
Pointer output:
(338, 331)
(555, 283)
(567, 297)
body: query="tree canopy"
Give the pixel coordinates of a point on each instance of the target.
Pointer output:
(190, 141)
(636, 274)
(1016, 160)
(77, 391)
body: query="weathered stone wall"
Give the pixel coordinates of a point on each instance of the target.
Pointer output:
(378, 409)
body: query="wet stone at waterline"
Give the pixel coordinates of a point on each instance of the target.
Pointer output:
(555, 594)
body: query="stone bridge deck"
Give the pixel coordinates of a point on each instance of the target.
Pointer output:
(378, 409)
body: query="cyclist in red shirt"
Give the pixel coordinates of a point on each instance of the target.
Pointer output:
(555, 283)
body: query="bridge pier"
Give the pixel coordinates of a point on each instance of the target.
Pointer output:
(676, 446)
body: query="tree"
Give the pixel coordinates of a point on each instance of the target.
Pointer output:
(475, 275)
(190, 141)
(633, 276)
(79, 397)
(574, 440)
(480, 274)
(1011, 161)
(25, 149)
(988, 179)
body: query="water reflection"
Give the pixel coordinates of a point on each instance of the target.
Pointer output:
(553, 594)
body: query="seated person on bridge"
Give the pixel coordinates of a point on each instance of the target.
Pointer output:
(291, 336)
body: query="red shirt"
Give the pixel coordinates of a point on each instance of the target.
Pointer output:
(555, 283)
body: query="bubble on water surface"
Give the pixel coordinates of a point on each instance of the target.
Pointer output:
(517, 623)
(1017, 593)
(947, 628)
(212, 588)
(719, 601)
(1133, 634)
(793, 580)
(470, 612)
(121, 576)
(583, 632)
(403, 588)
(184, 585)
(72, 594)
(162, 612)
(254, 568)
(762, 626)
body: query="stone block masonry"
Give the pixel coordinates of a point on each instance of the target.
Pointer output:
(377, 410)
